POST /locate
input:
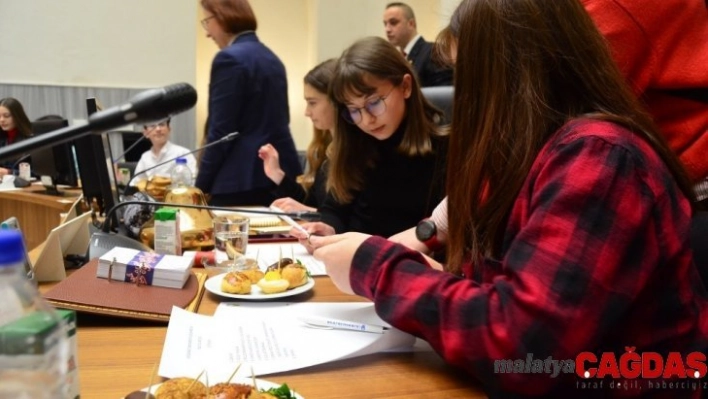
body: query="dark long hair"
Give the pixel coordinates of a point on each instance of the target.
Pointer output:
(348, 154)
(319, 78)
(524, 68)
(22, 122)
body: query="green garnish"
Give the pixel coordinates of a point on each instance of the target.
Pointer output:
(281, 392)
(307, 271)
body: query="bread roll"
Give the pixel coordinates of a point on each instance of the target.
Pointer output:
(176, 388)
(249, 267)
(230, 391)
(236, 283)
(255, 275)
(295, 273)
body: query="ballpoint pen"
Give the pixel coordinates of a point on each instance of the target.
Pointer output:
(290, 221)
(336, 324)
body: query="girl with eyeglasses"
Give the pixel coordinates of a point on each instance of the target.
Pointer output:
(569, 220)
(386, 160)
(309, 193)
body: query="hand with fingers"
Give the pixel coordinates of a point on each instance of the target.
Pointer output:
(288, 204)
(337, 252)
(271, 163)
(309, 230)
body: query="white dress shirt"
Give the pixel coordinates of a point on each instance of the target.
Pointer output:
(169, 151)
(406, 51)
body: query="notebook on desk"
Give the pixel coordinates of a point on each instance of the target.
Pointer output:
(84, 292)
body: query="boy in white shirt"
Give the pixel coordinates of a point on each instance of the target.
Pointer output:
(162, 150)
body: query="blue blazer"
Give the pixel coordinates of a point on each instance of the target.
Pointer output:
(248, 93)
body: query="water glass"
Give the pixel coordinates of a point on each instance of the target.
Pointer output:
(230, 236)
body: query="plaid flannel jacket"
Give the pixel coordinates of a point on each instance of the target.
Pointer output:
(595, 258)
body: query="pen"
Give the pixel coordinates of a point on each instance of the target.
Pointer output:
(290, 221)
(328, 323)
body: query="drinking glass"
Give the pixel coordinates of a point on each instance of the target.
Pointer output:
(230, 237)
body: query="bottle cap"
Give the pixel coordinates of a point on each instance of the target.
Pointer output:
(182, 160)
(12, 247)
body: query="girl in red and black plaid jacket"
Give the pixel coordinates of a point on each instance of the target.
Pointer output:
(569, 220)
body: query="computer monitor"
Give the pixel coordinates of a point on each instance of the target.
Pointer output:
(54, 165)
(137, 142)
(93, 154)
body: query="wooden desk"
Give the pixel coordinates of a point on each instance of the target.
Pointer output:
(116, 357)
(37, 213)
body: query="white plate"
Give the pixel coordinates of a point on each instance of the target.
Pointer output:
(262, 384)
(213, 285)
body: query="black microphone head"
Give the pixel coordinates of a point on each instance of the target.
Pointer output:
(148, 106)
(309, 216)
(177, 98)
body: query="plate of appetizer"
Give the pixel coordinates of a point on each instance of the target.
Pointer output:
(283, 279)
(238, 388)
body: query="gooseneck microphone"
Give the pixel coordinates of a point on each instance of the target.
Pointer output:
(19, 160)
(228, 137)
(302, 215)
(103, 241)
(138, 141)
(146, 107)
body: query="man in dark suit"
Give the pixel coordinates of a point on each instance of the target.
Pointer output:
(401, 31)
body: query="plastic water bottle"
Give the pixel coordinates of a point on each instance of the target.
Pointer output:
(180, 174)
(34, 346)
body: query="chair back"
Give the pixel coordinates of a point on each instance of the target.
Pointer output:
(441, 97)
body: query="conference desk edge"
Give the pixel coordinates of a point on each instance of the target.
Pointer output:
(116, 356)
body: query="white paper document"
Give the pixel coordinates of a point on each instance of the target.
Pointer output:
(270, 338)
(269, 254)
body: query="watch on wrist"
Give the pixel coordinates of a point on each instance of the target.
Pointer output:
(427, 233)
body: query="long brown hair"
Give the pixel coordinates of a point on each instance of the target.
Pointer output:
(524, 68)
(319, 78)
(22, 122)
(348, 154)
(234, 16)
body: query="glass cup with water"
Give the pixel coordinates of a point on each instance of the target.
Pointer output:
(230, 237)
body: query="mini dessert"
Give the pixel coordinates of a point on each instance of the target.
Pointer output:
(236, 283)
(181, 388)
(295, 273)
(279, 265)
(251, 269)
(273, 283)
(230, 391)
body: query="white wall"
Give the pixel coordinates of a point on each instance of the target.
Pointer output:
(151, 43)
(104, 43)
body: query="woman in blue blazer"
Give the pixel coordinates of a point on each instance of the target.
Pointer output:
(247, 94)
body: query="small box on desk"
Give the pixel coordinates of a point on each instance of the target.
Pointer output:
(144, 268)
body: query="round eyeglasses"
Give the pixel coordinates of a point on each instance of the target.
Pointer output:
(205, 21)
(374, 107)
(154, 126)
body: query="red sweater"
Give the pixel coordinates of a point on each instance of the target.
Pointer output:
(660, 47)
